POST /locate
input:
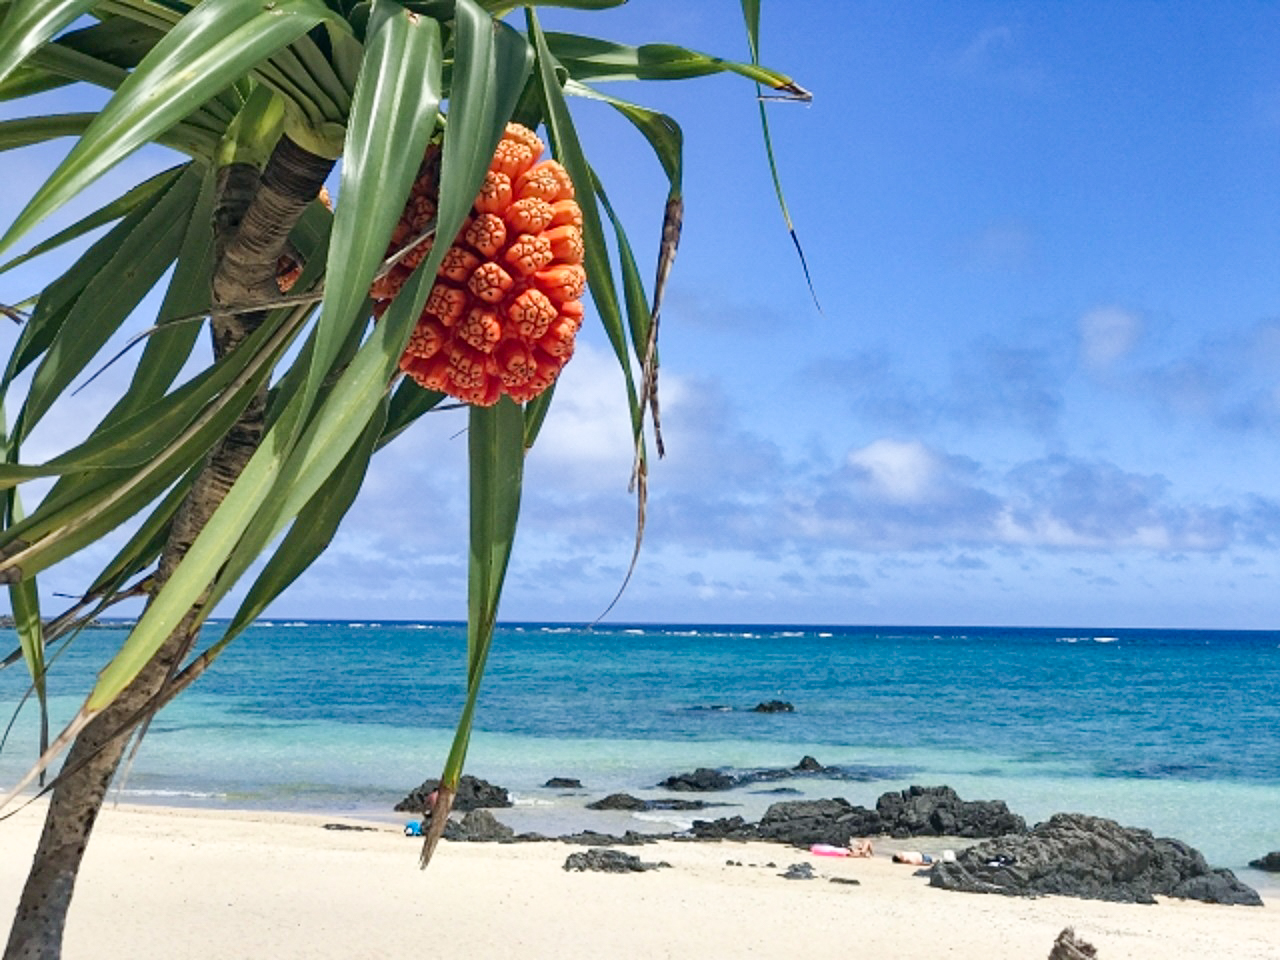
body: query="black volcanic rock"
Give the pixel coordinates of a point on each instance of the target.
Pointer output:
(625, 801)
(701, 780)
(1271, 862)
(939, 811)
(619, 801)
(804, 822)
(917, 811)
(725, 828)
(481, 826)
(590, 838)
(563, 783)
(671, 803)
(808, 764)
(473, 793)
(773, 706)
(609, 861)
(1092, 858)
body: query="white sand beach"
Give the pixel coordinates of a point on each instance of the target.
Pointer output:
(178, 883)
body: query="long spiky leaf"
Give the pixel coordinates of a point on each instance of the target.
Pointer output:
(211, 47)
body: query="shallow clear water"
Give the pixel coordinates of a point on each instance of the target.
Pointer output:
(1177, 731)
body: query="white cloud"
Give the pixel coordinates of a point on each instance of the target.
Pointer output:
(1107, 334)
(586, 440)
(897, 471)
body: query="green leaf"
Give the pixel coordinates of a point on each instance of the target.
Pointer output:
(638, 313)
(408, 403)
(28, 24)
(589, 58)
(25, 604)
(147, 541)
(63, 525)
(313, 529)
(496, 456)
(116, 40)
(348, 53)
(184, 137)
(158, 14)
(215, 44)
(751, 16)
(662, 132)
(497, 63)
(500, 8)
(132, 438)
(138, 263)
(57, 299)
(393, 115)
(167, 350)
(121, 206)
(63, 61)
(665, 137)
(25, 131)
(568, 150)
(491, 63)
(24, 601)
(27, 81)
(535, 415)
(323, 76)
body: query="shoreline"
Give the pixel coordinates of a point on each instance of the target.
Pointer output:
(180, 882)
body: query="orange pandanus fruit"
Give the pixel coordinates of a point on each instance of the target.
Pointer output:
(506, 305)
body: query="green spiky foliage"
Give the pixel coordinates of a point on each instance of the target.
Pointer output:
(251, 462)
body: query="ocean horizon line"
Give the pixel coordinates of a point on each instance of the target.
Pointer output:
(737, 626)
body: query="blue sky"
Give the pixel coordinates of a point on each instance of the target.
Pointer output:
(1044, 387)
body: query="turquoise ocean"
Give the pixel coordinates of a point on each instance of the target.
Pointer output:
(1177, 731)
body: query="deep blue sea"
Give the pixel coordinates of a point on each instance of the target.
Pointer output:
(1174, 730)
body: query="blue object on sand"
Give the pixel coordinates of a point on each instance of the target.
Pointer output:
(413, 828)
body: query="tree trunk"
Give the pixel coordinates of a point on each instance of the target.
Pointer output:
(252, 221)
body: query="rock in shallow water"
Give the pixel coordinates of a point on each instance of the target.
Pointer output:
(625, 801)
(1270, 863)
(773, 706)
(564, 783)
(701, 780)
(1093, 858)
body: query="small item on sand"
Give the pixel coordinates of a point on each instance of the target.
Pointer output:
(799, 871)
(413, 828)
(1068, 947)
(827, 850)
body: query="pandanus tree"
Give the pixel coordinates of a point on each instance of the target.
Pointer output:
(451, 268)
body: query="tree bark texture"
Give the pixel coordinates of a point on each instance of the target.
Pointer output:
(252, 220)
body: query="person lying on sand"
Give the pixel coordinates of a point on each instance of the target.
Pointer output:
(860, 847)
(922, 859)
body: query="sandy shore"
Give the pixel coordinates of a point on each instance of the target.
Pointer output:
(178, 884)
